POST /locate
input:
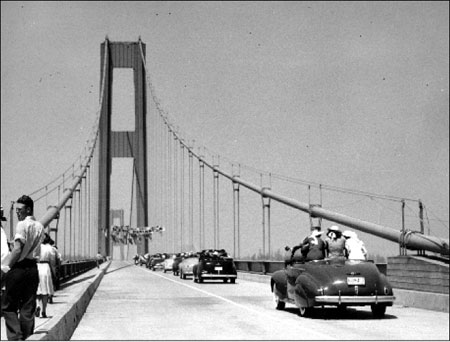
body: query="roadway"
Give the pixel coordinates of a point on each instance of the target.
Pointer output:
(134, 303)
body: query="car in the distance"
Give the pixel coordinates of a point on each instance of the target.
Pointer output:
(215, 265)
(168, 263)
(185, 268)
(156, 261)
(336, 282)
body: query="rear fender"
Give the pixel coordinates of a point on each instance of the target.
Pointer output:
(306, 289)
(279, 280)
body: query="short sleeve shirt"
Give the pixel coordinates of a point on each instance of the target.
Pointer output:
(31, 233)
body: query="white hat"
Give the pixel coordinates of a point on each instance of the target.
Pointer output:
(349, 234)
(334, 228)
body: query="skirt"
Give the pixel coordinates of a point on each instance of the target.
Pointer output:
(45, 280)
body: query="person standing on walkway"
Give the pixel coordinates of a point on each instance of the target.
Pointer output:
(4, 257)
(22, 280)
(46, 267)
(4, 249)
(99, 259)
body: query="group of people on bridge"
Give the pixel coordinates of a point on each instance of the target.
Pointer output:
(336, 244)
(29, 272)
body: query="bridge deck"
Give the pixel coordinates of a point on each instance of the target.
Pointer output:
(134, 303)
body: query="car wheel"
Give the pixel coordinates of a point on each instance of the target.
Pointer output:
(279, 304)
(183, 276)
(304, 311)
(232, 280)
(378, 310)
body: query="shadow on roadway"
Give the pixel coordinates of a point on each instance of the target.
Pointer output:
(118, 269)
(329, 313)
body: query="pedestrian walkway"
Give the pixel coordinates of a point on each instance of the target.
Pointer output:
(69, 304)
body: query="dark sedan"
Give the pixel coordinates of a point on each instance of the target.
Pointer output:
(335, 282)
(215, 264)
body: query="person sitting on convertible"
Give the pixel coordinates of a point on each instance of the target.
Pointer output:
(335, 243)
(312, 247)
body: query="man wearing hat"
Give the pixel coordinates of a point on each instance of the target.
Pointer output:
(314, 247)
(335, 243)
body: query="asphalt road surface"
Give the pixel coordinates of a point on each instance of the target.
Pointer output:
(134, 303)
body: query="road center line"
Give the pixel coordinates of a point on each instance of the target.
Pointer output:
(319, 335)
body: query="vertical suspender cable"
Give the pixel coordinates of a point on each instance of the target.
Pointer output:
(89, 212)
(191, 199)
(131, 205)
(80, 224)
(238, 224)
(218, 209)
(200, 202)
(214, 209)
(175, 192)
(182, 198)
(169, 186)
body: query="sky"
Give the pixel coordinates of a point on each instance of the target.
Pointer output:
(348, 94)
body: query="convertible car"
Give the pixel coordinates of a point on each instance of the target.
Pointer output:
(156, 261)
(335, 282)
(185, 268)
(215, 264)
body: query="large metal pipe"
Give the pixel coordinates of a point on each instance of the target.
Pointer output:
(411, 240)
(53, 211)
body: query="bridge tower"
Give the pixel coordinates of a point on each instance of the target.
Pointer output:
(122, 144)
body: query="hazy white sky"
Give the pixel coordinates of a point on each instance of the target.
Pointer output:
(350, 94)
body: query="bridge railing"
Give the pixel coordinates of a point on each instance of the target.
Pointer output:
(269, 267)
(70, 269)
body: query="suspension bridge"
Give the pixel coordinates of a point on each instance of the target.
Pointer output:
(183, 198)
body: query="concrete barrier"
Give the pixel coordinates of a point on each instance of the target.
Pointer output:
(415, 299)
(67, 316)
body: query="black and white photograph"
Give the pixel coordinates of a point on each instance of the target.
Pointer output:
(224, 170)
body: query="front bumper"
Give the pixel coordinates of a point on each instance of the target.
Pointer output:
(355, 300)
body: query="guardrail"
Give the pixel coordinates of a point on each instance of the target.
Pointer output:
(269, 267)
(70, 269)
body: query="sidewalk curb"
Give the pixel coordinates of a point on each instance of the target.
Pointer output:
(62, 327)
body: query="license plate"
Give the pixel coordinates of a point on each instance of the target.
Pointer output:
(218, 268)
(356, 281)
